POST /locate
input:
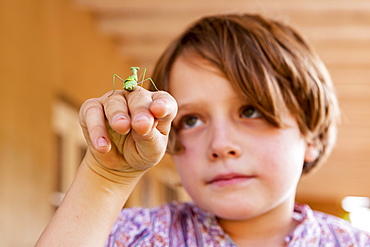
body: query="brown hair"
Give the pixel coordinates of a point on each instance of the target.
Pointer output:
(271, 65)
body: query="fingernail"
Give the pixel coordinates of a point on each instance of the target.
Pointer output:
(102, 142)
(141, 117)
(119, 118)
(159, 101)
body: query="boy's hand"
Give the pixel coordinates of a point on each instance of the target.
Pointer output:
(127, 131)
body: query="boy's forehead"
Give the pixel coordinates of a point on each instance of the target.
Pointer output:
(191, 65)
(199, 81)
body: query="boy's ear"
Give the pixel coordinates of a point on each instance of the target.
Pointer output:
(312, 152)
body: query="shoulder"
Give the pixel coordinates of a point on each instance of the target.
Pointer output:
(341, 229)
(329, 229)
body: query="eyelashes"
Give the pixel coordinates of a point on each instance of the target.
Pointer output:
(189, 121)
(194, 120)
(249, 111)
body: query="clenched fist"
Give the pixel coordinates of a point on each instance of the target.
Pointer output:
(128, 131)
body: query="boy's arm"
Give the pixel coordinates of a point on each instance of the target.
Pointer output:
(120, 151)
(88, 211)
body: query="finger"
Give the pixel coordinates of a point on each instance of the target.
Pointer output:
(164, 109)
(152, 146)
(116, 112)
(142, 120)
(92, 121)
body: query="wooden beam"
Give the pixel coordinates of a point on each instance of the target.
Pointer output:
(167, 6)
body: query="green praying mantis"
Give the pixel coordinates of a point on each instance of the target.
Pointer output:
(131, 82)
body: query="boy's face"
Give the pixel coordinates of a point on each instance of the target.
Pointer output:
(234, 164)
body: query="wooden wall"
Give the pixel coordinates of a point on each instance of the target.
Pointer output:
(48, 51)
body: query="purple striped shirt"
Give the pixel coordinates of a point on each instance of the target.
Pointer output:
(185, 224)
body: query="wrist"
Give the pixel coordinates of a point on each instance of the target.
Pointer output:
(108, 175)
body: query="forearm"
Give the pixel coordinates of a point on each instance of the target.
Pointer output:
(89, 210)
(127, 134)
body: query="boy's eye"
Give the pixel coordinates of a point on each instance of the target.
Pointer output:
(188, 122)
(250, 112)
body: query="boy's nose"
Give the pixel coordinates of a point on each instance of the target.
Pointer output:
(224, 154)
(224, 144)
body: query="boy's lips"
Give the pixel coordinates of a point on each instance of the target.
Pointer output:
(229, 178)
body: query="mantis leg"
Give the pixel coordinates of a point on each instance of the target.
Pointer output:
(143, 75)
(114, 83)
(150, 79)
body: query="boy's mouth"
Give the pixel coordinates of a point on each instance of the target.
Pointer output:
(229, 179)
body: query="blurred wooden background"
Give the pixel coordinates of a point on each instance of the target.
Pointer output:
(66, 51)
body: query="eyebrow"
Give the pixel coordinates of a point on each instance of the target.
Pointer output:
(189, 106)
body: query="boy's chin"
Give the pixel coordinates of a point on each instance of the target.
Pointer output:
(232, 210)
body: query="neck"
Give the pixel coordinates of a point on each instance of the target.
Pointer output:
(268, 229)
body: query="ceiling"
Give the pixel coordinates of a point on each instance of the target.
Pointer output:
(143, 28)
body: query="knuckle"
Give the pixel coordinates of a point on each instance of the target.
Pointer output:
(165, 95)
(97, 128)
(115, 106)
(139, 101)
(87, 103)
(114, 102)
(161, 94)
(86, 106)
(93, 109)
